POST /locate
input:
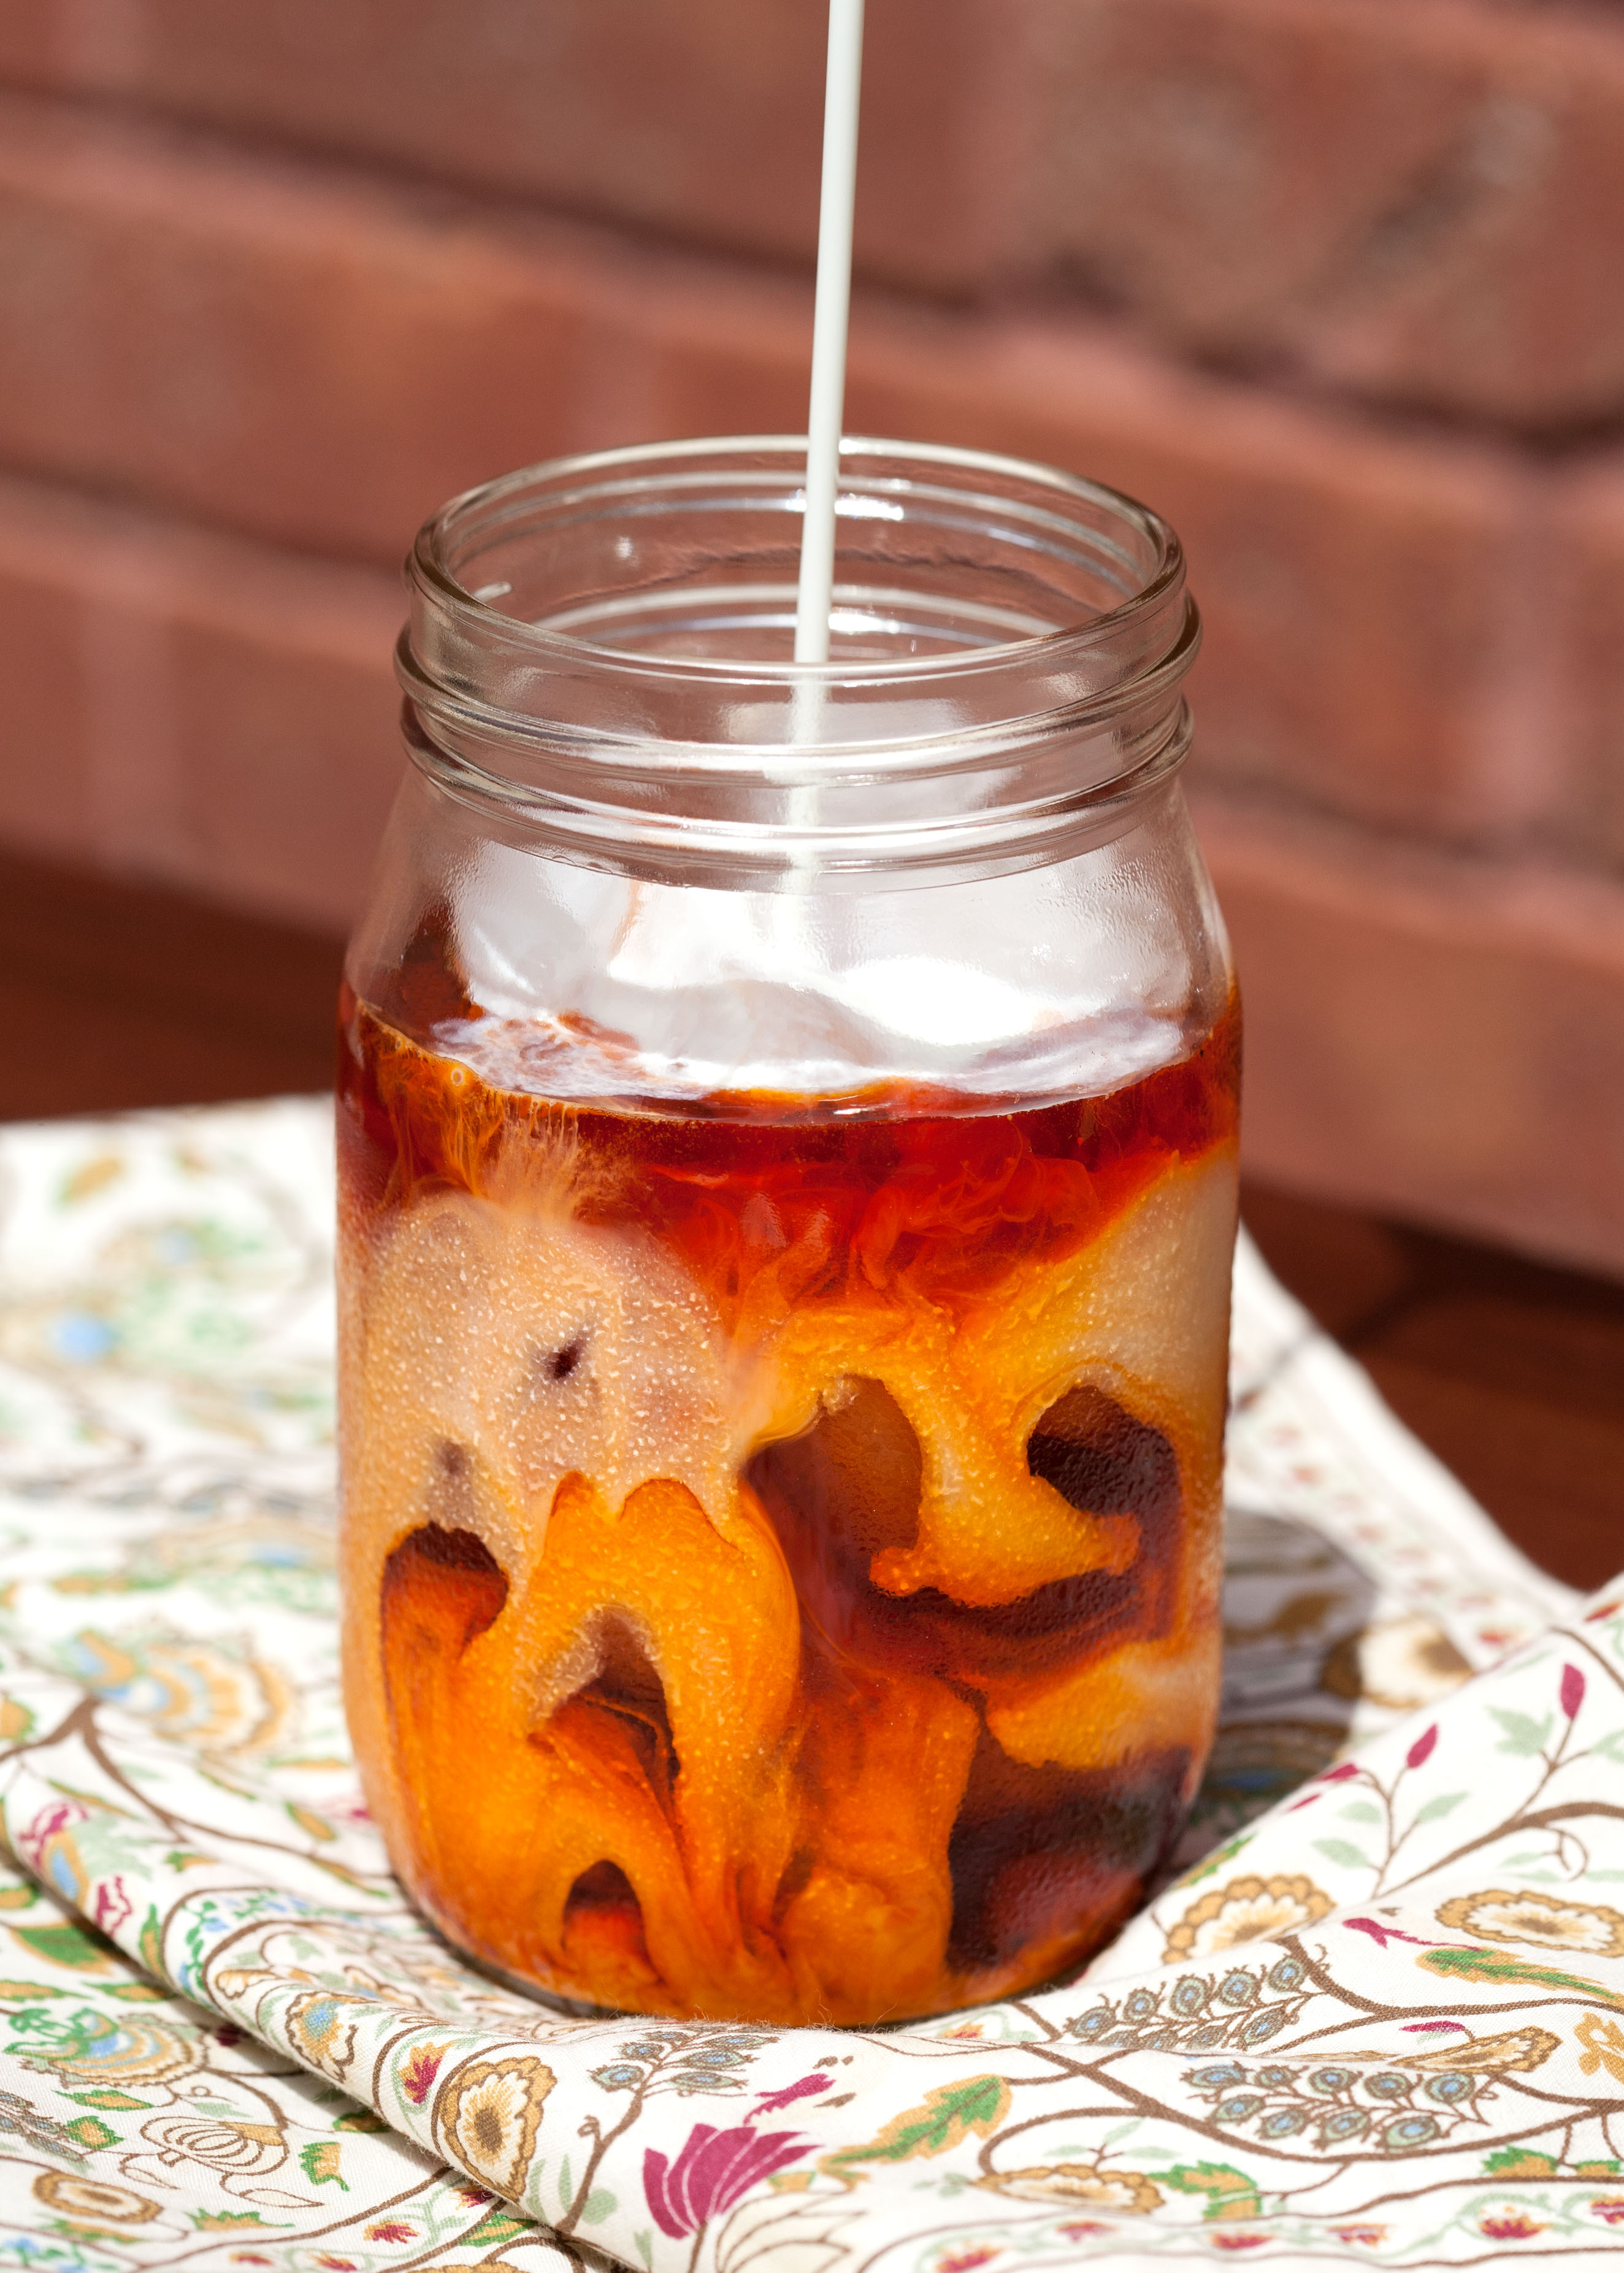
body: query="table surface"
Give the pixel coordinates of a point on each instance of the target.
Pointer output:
(114, 995)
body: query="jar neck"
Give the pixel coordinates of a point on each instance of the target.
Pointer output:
(598, 658)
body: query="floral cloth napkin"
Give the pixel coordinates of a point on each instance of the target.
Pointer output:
(1378, 2021)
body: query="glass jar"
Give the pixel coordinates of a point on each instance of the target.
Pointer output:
(787, 1147)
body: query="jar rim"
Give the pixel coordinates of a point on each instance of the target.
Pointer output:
(498, 500)
(1010, 642)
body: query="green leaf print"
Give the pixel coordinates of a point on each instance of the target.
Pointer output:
(1499, 1966)
(496, 2227)
(65, 1945)
(1230, 2193)
(1342, 1851)
(90, 2132)
(1519, 2163)
(946, 2116)
(320, 2162)
(1440, 1805)
(150, 1943)
(1524, 1737)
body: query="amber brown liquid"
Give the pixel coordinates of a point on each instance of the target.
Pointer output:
(937, 1804)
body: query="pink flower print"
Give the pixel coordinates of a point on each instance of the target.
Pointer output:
(1238, 2240)
(1572, 1691)
(771, 2102)
(47, 1845)
(1421, 1750)
(1340, 1774)
(1609, 2209)
(390, 2228)
(1509, 2226)
(112, 1906)
(712, 2172)
(58, 1817)
(966, 2260)
(1084, 2229)
(423, 2065)
(1361, 2237)
(1382, 1935)
(1433, 2027)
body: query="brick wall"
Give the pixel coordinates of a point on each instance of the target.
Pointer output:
(1333, 283)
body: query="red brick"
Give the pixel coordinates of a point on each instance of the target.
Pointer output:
(1419, 202)
(1587, 603)
(193, 708)
(309, 358)
(698, 122)
(1422, 202)
(1368, 597)
(319, 362)
(1442, 1040)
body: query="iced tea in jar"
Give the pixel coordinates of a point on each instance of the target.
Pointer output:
(787, 1127)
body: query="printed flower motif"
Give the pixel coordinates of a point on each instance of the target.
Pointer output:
(1401, 1663)
(1244, 1910)
(1545, 1919)
(805, 2087)
(1110, 2190)
(1509, 2226)
(423, 2065)
(93, 2198)
(712, 2172)
(241, 2150)
(198, 1693)
(1238, 2240)
(390, 2228)
(966, 2261)
(1382, 1935)
(1516, 2053)
(1603, 2046)
(51, 1849)
(1082, 2229)
(1361, 2237)
(112, 1906)
(488, 2114)
(1608, 2208)
(320, 2032)
(94, 2048)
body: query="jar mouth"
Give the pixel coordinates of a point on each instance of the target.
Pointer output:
(608, 639)
(1082, 565)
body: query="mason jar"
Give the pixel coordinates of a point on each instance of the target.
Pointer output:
(788, 1149)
